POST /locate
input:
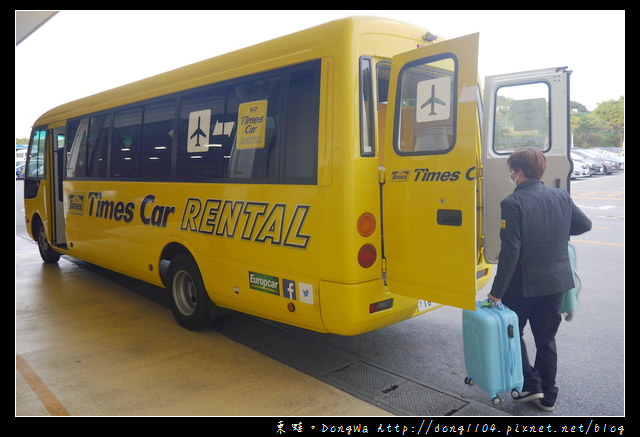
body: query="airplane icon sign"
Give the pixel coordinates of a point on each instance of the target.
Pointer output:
(434, 92)
(199, 126)
(197, 134)
(432, 101)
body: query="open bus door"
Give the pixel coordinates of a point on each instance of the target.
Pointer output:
(428, 168)
(43, 188)
(527, 109)
(57, 171)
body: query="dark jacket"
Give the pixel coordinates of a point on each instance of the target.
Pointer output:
(536, 222)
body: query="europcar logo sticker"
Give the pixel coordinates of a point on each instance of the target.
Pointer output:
(265, 283)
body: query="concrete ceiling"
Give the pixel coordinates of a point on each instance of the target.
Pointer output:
(28, 21)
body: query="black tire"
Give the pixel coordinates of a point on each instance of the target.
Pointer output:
(47, 253)
(190, 303)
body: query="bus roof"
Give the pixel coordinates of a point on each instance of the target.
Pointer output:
(296, 47)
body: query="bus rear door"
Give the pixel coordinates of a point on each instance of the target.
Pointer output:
(429, 187)
(527, 109)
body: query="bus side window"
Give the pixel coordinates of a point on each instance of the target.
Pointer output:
(208, 160)
(98, 145)
(77, 153)
(35, 166)
(260, 161)
(157, 140)
(301, 133)
(126, 143)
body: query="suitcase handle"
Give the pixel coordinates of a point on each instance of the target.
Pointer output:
(487, 304)
(512, 357)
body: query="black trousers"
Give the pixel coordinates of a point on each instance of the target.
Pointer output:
(543, 315)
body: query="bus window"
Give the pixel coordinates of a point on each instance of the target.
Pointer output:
(427, 122)
(157, 140)
(77, 153)
(301, 133)
(383, 71)
(98, 145)
(255, 105)
(522, 118)
(126, 143)
(204, 139)
(367, 132)
(35, 166)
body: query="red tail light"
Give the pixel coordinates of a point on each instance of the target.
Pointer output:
(379, 306)
(367, 255)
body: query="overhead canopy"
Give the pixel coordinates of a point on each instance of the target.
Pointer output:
(28, 21)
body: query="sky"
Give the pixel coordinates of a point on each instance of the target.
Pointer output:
(79, 53)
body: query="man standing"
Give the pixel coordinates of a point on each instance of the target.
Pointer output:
(534, 269)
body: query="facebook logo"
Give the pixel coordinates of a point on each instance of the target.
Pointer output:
(289, 289)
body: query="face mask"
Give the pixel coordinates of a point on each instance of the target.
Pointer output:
(512, 180)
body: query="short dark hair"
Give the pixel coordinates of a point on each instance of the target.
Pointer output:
(531, 161)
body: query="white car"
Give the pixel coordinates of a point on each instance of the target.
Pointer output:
(580, 169)
(596, 167)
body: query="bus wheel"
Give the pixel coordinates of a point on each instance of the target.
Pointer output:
(189, 299)
(47, 253)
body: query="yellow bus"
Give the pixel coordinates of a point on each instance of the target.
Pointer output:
(334, 179)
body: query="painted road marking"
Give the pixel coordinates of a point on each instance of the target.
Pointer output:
(46, 396)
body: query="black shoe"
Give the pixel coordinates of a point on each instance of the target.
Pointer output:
(527, 396)
(543, 404)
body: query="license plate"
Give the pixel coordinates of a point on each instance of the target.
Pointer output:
(425, 305)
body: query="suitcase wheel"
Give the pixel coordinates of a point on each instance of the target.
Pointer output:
(496, 400)
(468, 381)
(515, 393)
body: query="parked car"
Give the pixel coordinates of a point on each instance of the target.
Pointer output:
(580, 169)
(20, 170)
(611, 155)
(609, 166)
(595, 167)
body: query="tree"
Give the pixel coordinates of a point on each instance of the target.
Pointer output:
(603, 127)
(611, 115)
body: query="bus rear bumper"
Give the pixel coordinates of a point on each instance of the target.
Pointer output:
(351, 309)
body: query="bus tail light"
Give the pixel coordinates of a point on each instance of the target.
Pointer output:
(366, 224)
(367, 255)
(379, 306)
(482, 273)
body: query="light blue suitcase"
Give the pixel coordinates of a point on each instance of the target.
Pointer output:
(491, 339)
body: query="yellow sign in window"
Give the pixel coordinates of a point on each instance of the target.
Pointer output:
(252, 120)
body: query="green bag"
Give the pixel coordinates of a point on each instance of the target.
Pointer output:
(570, 300)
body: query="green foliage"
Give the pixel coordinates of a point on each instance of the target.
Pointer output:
(603, 127)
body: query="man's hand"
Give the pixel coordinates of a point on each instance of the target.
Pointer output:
(494, 300)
